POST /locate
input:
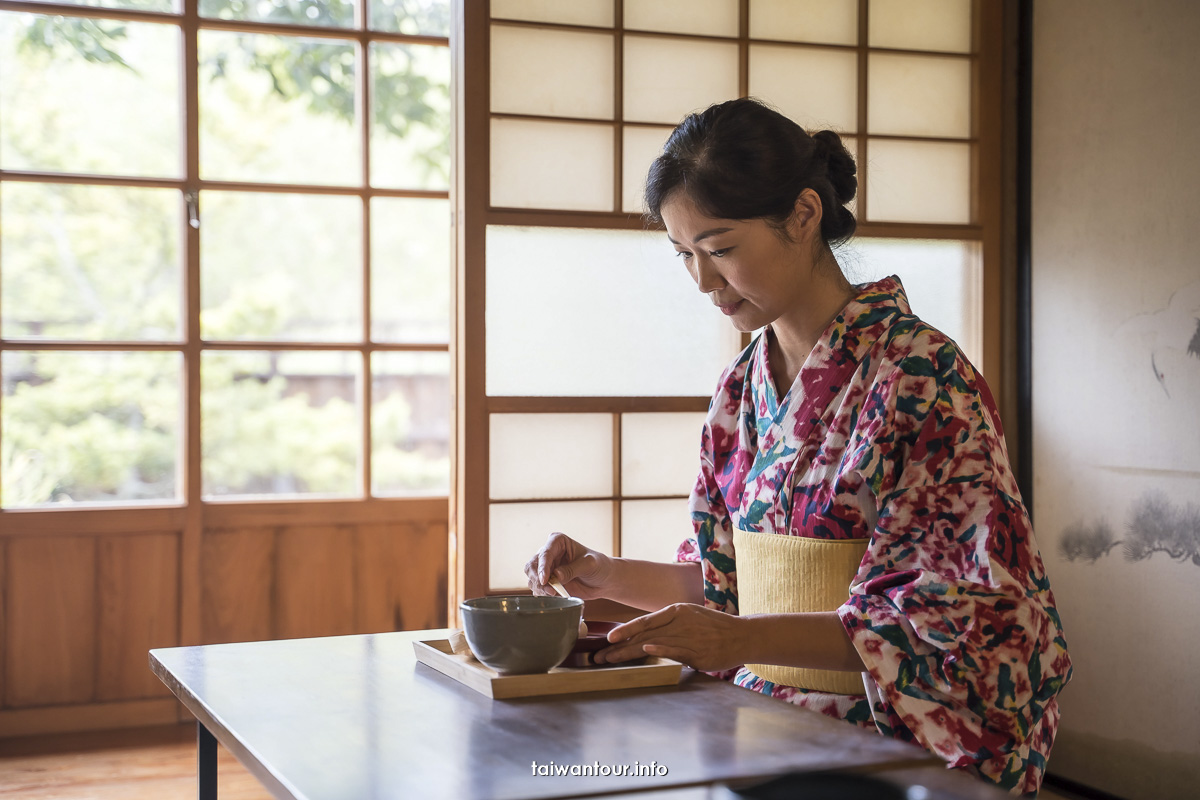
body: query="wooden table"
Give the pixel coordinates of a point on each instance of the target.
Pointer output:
(349, 717)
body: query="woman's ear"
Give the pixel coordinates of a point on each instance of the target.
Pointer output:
(806, 216)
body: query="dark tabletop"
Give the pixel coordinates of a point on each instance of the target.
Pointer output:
(349, 717)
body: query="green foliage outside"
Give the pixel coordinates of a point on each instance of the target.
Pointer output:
(103, 263)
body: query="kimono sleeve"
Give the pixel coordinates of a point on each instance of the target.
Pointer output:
(951, 610)
(712, 543)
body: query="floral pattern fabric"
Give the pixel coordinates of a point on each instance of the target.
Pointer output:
(889, 433)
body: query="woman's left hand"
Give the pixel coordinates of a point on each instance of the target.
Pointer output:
(691, 634)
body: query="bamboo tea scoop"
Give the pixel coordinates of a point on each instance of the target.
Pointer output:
(558, 587)
(459, 646)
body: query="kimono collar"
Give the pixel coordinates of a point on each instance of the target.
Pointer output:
(860, 323)
(851, 334)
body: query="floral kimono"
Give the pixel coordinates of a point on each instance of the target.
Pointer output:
(890, 435)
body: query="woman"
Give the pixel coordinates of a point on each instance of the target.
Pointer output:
(861, 548)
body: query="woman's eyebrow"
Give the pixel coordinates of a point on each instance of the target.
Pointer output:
(705, 235)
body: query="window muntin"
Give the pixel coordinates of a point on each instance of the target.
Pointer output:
(918, 208)
(283, 330)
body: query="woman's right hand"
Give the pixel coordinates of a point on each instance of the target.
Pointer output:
(582, 571)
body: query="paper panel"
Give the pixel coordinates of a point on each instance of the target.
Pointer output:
(535, 456)
(919, 181)
(918, 95)
(552, 73)
(558, 165)
(660, 453)
(666, 79)
(786, 77)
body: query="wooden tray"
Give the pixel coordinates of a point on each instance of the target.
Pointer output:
(560, 680)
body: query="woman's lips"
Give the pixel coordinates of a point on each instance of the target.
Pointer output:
(729, 309)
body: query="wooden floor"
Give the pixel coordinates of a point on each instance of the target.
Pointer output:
(144, 764)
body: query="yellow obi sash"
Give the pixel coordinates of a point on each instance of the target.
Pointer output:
(781, 574)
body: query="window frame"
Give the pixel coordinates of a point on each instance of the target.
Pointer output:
(990, 224)
(193, 511)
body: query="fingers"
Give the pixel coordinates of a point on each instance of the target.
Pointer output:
(643, 624)
(538, 586)
(685, 633)
(683, 655)
(565, 560)
(539, 569)
(634, 639)
(558, 550)
(630, 650)
(618, 653)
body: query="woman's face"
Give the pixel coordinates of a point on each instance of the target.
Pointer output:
(744, 266)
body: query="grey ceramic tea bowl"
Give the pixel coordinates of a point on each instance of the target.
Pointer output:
(521, 634)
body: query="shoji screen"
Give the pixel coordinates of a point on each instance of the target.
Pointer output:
(585, 355)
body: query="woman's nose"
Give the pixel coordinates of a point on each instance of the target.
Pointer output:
(708, 279)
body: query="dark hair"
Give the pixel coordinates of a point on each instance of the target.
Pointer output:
(743, 159)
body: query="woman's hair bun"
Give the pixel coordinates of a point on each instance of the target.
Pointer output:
(841, 168)
(743, 159)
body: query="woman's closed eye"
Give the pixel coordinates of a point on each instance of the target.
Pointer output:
(720, 253)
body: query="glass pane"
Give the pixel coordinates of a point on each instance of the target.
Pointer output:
(278, 108)
(660, 453)
(920, 24)
(598, 312)
(552, 73)
(652, 530)
(325, 13)
(410, 119)
(576, 12)
(279, 423)
(425, 17)
(90, 262)
(89, 96)
(919, 95)
(280, 267)
(666, 79)
(919, 181)
(516, 531)
(134, 5)
(536, 456)
(942, 279)
(410, 270)
(410, 423)
(823, 21)
(641, 147)
(552, 165)
(777, 75)
(712, 17)
(90, 427)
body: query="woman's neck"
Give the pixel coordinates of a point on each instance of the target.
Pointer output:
(795, 334)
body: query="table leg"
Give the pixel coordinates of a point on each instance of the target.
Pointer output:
(206, 763)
